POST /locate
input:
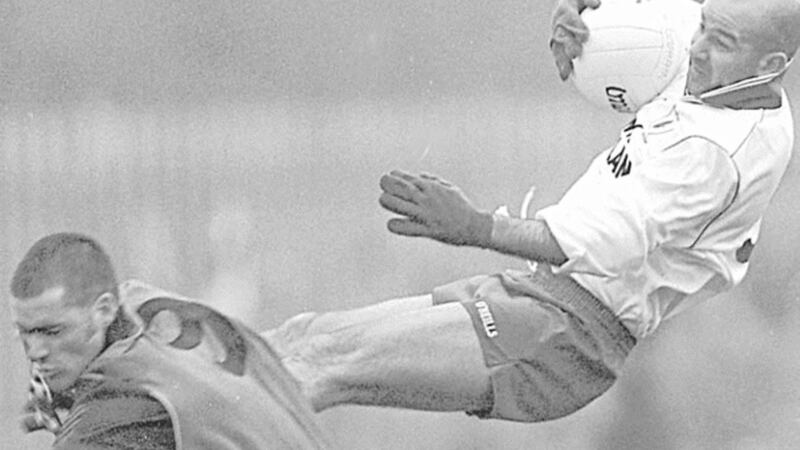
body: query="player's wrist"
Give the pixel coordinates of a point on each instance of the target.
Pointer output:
(481, 229)
(501, 226)
(526, 238)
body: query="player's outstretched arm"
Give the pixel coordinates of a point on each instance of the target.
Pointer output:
(433, 208)
(427, 359)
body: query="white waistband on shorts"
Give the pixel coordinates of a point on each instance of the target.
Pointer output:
(585, 305)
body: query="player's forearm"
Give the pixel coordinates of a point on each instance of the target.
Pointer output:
(425, 359)
(525, 238)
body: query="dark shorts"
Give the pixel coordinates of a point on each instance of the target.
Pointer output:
(550, 345)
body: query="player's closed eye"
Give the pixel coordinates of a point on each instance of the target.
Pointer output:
(54, 331)
(722, 43)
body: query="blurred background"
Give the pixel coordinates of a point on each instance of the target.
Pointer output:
(231, 151)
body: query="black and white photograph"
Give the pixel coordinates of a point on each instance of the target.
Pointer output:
(430, 224)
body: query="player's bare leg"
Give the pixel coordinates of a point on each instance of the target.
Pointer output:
(297, 329)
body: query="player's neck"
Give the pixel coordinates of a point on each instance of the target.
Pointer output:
(122, 327)
(762, 92)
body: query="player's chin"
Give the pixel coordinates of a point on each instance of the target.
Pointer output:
(60, 381)
(696, 81)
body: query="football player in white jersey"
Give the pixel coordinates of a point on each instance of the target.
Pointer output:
(665, 218)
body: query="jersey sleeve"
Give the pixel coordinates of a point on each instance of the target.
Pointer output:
(607, 225)
(117, 417)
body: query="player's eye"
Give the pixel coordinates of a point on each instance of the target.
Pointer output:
(54, 331)
(49, 331)
(722, 43)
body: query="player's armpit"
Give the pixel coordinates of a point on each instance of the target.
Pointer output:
(427, 359)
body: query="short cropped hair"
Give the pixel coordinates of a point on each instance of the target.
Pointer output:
(74, 261)
(778, 31)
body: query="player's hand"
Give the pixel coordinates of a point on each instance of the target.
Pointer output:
(29, 422)
(39, 412)
(433, 208)
(569, 33)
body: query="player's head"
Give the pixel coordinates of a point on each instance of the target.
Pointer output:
(64, 298)
(740, 39)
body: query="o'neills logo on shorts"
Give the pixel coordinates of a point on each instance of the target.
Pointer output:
(486, 318)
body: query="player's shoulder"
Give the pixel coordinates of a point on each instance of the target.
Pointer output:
(135, 292)
(688, 122)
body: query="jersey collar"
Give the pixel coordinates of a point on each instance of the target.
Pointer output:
(759, 92)
(121, 328)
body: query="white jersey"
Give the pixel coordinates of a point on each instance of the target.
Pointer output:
(668, 217)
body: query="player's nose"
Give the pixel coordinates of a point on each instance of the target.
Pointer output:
(35, 348)
(697, 49)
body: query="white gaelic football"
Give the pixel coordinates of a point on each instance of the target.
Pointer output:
(635, 49)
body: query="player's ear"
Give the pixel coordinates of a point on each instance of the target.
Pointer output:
(104, 309)
(775, 62)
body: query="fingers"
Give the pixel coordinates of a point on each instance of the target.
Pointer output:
(408, 178)
(594, 4)
(408, 187)
(562, 60)
(406, 227)
(404, 194)
(572, 33)
(28, 423)
(431, 177)
(565, 69)
(399, 206)
(401, 193)
(565, 47)
(403, 174)
(573, 49)
(569, 34)
(400, 185)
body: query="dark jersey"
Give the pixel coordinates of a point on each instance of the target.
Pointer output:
(188, 377)
(112, 414)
